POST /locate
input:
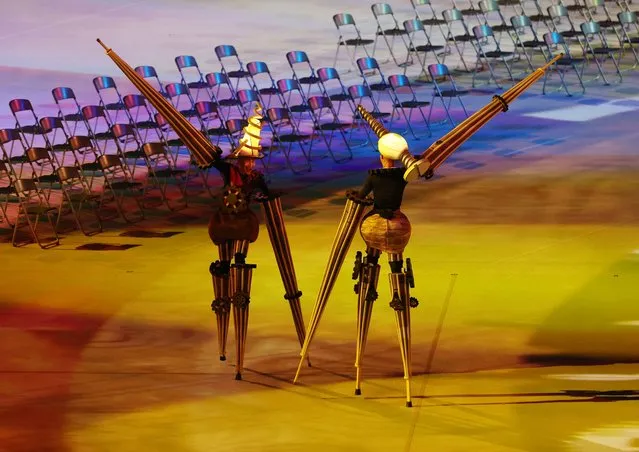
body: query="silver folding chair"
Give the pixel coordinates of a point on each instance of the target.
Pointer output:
(118, 183)
(227, 53)
(32, 208)
(110, 97)
(444, 87)
(487, 56)
(161, 172)
(457, 32)
(592, 34)
(69, 110)
(627, 33)
(389, 30)
(298, 58)
(556, 45)
(77, 195)
(286, 134)
(399, 83)
(349, 38)
(224, 95)
(420, 44)
(192, 76)
(327, 124)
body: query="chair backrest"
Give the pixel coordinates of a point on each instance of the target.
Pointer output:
(93, 111)
(520, 21)
(590, 28)
(38, 154)
(257, 67)
(225, 50)
(235, 125)
(68, 174)
(109, 161)
(246, 96)
(152, 149)
(216, 79)
(482, 31)
(328, 73)
(381, 9)
(359, 91)
(134, 100)
(413, 25)
(103, 82)
(399, 81)
(343, 19)
(206, 107)
(184, 61)
(557, 11)
(287, 84)
(489, 6)
(78, 142)
(452, 15)
(627, 17)
(367, 64)
(554, 38)
(277, 114)
(146, 72)
(123, 130)
(438, 70)
(176, 89)
(48, 123)
(18, 105)
(8, 135)
(23, 186)
(62, 93)
(319, 102)
(297, 56)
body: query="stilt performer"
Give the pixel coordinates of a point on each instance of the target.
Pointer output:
(386, 229)
(234, 226)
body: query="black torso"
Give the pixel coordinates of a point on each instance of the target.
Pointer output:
(387, 186)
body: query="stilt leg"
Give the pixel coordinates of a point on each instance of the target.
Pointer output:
(402, 302)
(221, 305)
(241, 276)
(366, 290)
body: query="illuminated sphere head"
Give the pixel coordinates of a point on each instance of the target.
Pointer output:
(392, 146)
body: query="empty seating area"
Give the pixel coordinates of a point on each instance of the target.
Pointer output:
(117, 156)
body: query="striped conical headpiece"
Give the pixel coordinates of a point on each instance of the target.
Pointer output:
(250, 142)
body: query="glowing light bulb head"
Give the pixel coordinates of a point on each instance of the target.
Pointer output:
(392, 146)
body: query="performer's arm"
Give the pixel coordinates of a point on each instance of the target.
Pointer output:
(224, 168)
(260, 184)
(366, 188)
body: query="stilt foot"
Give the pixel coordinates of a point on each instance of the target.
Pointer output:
(238, 376)
(222, 358)
(358, 391)
(409, 404)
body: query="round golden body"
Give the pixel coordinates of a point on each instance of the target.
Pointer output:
(387, 235)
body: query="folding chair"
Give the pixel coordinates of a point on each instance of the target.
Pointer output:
(299, 58)
(86, 155)
(226, 53)
(110, 97)
(247, 98)
(118, 182)
(150, 74)
(592, 33)
(445, 89)
(285, 135)
(259, 70)
(140, 116)
(399, 82)
(208, 113)
(161, 171)
(349, 39)
(321, 107)
(460, 38)
(27, 123)
(559, 14)
(430, 18)
(191, 76)
(76, 195)
(224, 95)
(7, 191)
(13, 152)
(99, 127)
(535, 14)
(287, 88)
(414, 29)
(69, 110)
(483, 34)
(373, 76)
(522, 27)
(43, 169)
(181, 99)
(555, 45)
(360, 94)
(605, 22)
(628, 24)
(56, 139)
(388, 28)
(578, 6)
(129, 145)
(495, 19)
(32, 206)
(468, 9)
(339, 94)
(235, 126)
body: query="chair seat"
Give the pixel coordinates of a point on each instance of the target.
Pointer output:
(330, 126)
(567, 61)
(228, 102)
(310, 80)
(271, 91)
(19, 159)
(47, 178)
(427, 48)
(38, 209)
(32, 129)
(412, 104)
(379, 86)
(497, 54)
(632, 40)
(292, 138)
(73, 117)
(392, 32)
(137, 154)
(125, 184)
(571, 33)
(115, 106)
(533, 43)
(540, 18)
(341, 97)
(604, 50)
(83, 196)
(464, 38)
(300, 108)
(61, 147)
(91, 166)
(433, 21)
(190, 113)
(470, 11)
(146, 125)
(168, 172)
(7, 190)
(197, 85)
(216, 131)
(576, 7)
(500, 28)
(608, 23)
(356, 42)
(104, 135)
(451, 92)
(240, 73)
